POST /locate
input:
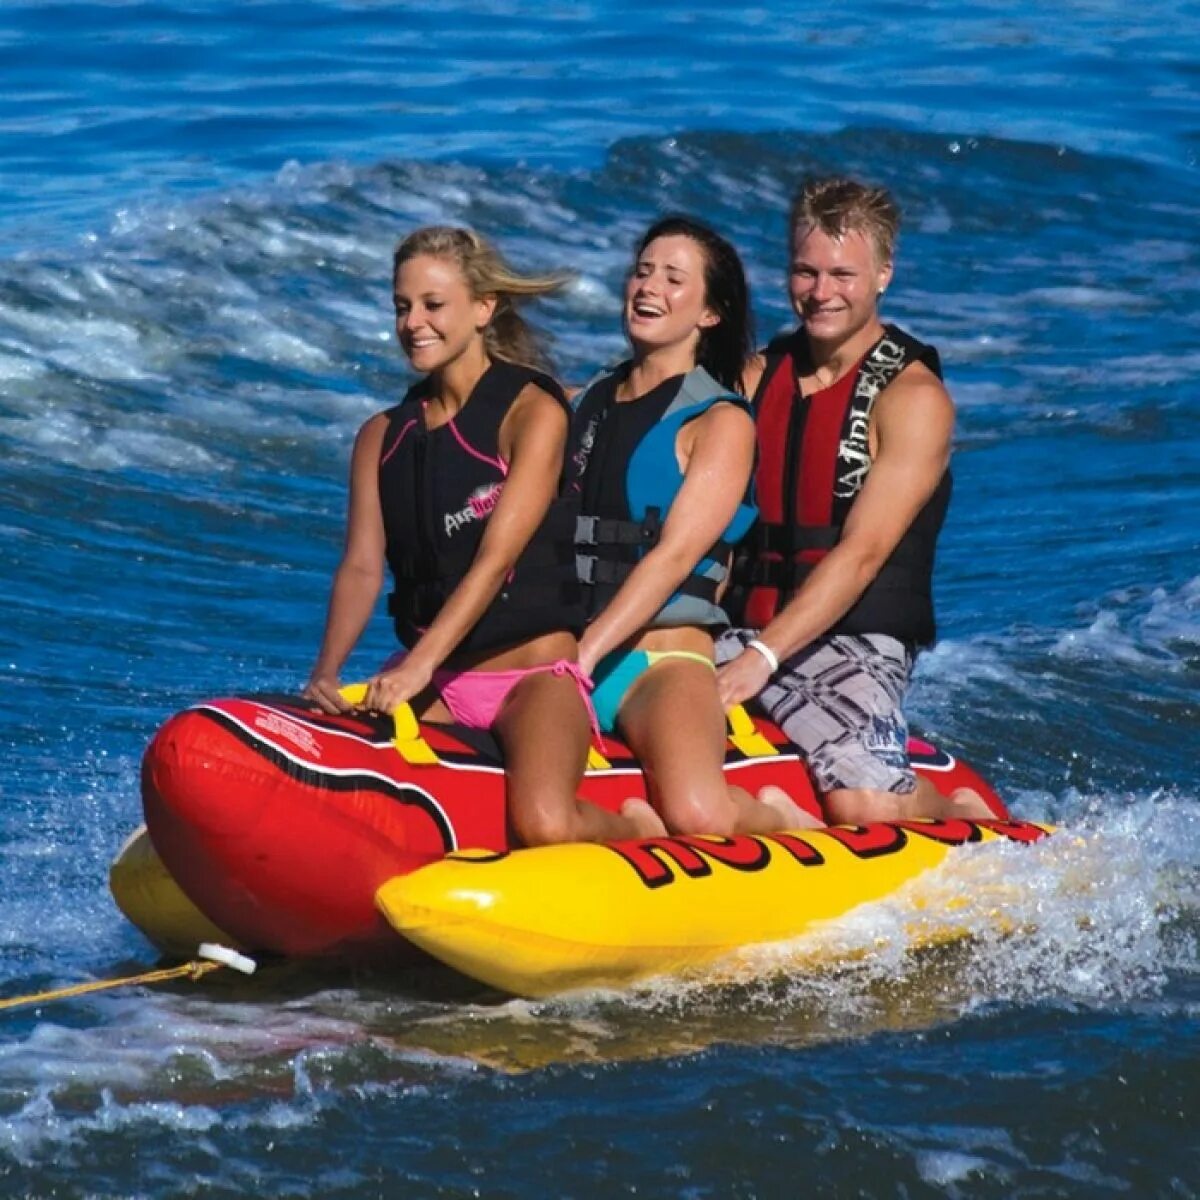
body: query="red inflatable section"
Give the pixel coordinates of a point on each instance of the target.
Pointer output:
(280, 823)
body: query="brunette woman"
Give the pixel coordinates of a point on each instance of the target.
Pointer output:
(661, 455)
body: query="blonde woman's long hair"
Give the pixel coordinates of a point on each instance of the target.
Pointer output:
(508, 335)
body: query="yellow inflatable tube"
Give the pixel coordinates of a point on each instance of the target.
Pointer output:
(537, 922)
(148, 895)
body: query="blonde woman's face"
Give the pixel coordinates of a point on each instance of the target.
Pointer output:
(665, 294)
(437, 317)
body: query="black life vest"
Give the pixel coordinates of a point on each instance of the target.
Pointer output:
(813, 460)
(437, 489)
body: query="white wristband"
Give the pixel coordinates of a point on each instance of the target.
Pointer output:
(766, 652)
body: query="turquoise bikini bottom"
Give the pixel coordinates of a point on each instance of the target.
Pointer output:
(616, 673)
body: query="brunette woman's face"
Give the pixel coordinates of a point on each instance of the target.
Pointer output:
(437, 316)
(665, 302)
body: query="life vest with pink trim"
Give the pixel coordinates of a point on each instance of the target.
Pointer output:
(437, 489)
(813, 459)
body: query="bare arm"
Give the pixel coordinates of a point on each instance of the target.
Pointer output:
(532, 438)
(717, 472)
(914, 422)
(359, 576)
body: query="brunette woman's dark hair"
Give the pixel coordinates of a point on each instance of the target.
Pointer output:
(726, 346)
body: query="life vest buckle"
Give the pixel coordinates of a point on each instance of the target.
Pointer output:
(651, 527)
(585, 530)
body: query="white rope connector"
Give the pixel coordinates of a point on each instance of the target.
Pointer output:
(215, 952)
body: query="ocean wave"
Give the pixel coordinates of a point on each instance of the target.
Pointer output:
(285, 281)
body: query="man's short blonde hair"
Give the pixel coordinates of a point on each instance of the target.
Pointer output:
(838, 205)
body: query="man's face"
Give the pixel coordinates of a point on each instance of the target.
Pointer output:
(834, 283)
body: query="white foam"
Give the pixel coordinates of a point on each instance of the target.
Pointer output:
(15, 368)
(99, 347)
(981, 662)
(70, 439)
(1144, 631)
(261, 339)
(590, 295)
(129, 447)
(362, 320)
(941, 1168)
(1088, 299)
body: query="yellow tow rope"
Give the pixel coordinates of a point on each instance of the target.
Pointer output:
(213, 958)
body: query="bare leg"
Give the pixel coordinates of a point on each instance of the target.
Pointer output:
(791, 813)
(962, 802)
(543, 730)
(673, 722)
(861, 806)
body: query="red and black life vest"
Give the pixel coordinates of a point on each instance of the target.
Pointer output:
(813, 459)
(437, 488)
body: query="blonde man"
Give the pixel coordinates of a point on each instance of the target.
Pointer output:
(854, 432)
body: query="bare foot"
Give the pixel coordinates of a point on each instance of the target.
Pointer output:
(643, 818)
(968, 804)
(792, 815)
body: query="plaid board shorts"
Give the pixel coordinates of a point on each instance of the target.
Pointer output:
(839, 699)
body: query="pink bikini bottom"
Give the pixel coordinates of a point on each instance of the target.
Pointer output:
(474, 697)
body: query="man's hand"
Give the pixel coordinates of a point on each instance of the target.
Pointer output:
(742, 678)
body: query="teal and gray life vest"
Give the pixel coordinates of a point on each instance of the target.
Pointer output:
(622, 463)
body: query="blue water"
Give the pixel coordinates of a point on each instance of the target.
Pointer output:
(197, 205)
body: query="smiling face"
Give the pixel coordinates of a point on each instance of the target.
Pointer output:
(437, 317)
(665, 301)
(834, 282)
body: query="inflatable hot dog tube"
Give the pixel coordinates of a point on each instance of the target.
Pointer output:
(538, 922)
(275, 824)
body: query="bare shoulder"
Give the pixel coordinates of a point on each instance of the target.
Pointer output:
(913, 417)
(723, 431)
(371, 431)
(726, 419)
(535, 401)
(916, 394)
(535, 418)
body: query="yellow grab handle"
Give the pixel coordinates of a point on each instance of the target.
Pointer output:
(406, 729)
(745, 737)
(596, 761)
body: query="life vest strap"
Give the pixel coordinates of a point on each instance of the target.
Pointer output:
(768, 538)
(594, 571)
(612, 531)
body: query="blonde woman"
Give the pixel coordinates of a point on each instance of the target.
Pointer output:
(457, 489)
